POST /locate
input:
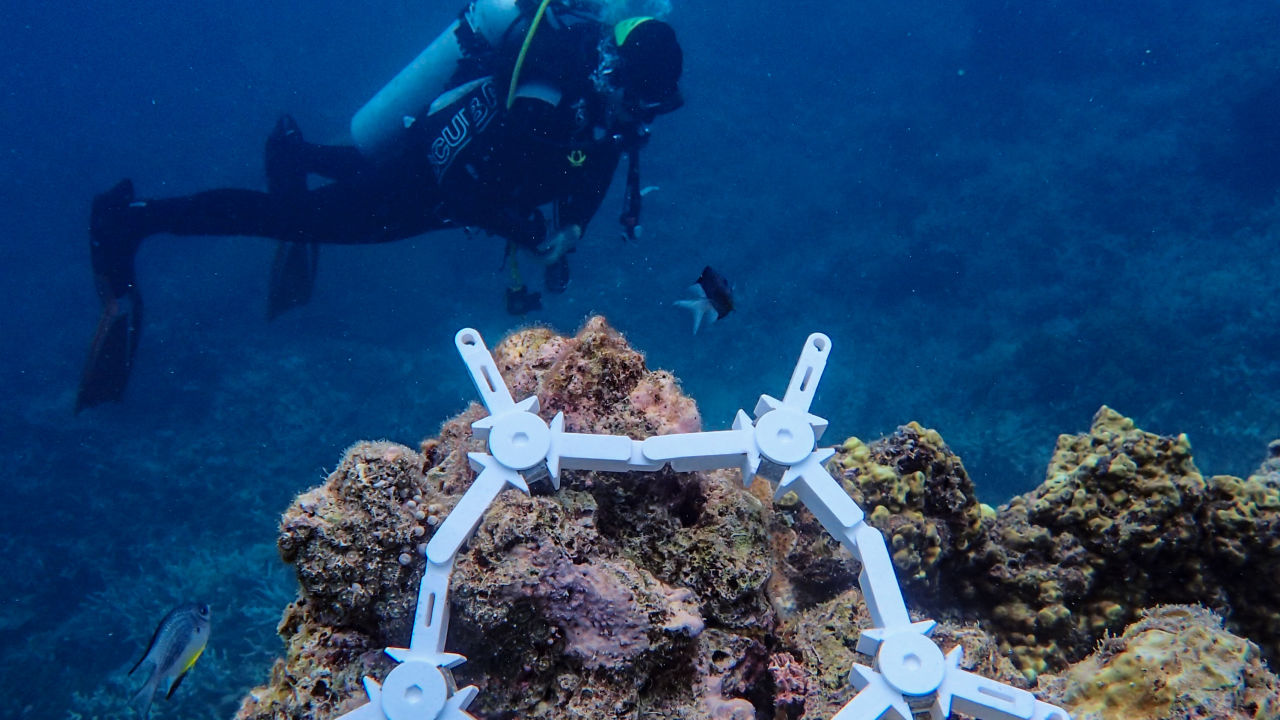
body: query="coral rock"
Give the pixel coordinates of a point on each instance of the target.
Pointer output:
(917, 492)
(591, 602)
(346, 539)
(684, 595)
(1176, 662)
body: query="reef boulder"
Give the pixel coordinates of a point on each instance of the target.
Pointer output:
(686, 595)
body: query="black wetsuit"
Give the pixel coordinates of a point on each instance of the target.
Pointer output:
(533, 154)
(477, 161)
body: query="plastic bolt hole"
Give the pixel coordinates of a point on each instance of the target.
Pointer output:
(911, 662)
(413, 694)
(820, 344)
(784, 434)
(520, 438)
(469, 340)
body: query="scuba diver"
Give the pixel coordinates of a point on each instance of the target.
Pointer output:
(518, 106)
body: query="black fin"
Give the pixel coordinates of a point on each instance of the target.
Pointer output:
(144, 657)
(115, 342)
(114, 236)
(286, 174)
(521, 301)
(293, 275)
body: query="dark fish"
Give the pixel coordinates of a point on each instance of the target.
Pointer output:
(714, 297)
(174, 649)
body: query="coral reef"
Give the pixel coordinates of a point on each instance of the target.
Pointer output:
(1113, 529)
(1177, 662)
(621, 591)
(916, 491)
(1123, 521)
(684, 595)
(600, 383)
(354, 540)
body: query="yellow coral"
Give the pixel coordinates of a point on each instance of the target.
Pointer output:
(1176, 652)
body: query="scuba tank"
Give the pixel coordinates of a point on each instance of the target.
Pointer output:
(378, 126)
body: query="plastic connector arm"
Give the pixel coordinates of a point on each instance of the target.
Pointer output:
(484, 371)
(876, 698)
(808, 372)
(689, 452)
(465, 517)
(584, 451)
(980, 697)
(431, 616)
(844, 520)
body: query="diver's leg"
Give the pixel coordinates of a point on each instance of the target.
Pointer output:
(368, 211)
(112, 243)
(340, 212)
(115, 339)
(392, 208)
(119, 223)
(337, 213)
(226, 211)
(285, 175)
(289, 158)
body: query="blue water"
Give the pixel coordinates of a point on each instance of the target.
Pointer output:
(1004, 214)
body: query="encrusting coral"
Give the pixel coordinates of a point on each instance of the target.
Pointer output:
(1113, 529)
(1124, 522)
(1176, 662)
(618, 592)
(915, 491)
(684, 595)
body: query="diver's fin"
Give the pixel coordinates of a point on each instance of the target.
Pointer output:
(293, 275)
(701, 308)
(115, 342)
(114, 235)
(286, 174)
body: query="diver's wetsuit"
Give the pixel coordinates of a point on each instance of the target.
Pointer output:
(535, 154)
(486, 158)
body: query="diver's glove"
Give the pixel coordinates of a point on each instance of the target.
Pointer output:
(554, 251)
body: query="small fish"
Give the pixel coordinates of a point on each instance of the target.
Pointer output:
(175, 647)
(714, 298)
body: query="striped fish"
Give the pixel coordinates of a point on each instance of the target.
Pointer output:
(174, 649)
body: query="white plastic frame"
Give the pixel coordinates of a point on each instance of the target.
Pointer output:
(910, 676)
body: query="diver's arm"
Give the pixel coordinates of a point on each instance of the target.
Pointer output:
(585, 195)
(576, 208)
